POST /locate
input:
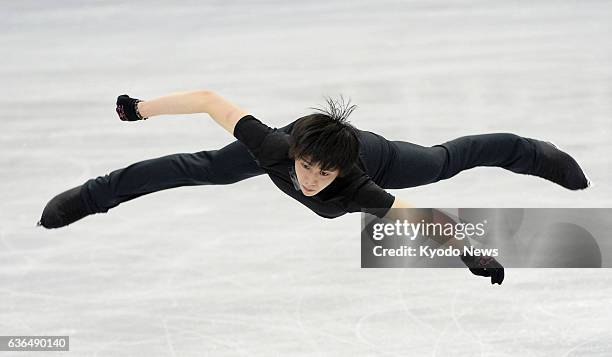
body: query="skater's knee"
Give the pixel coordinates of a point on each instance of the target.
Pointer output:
(210, 168)
(510, 137)
(443, 163)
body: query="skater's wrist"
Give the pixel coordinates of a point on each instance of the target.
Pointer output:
(141, 111)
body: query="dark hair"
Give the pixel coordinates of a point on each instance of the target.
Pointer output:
(326, 137)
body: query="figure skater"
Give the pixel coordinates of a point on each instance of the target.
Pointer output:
(321, 160)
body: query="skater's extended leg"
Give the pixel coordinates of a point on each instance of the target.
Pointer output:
(414, 165)
(230, 164)
(517, 154)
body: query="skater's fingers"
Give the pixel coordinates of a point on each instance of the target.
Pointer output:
(127, 108)
(497, 276)
(121, 112)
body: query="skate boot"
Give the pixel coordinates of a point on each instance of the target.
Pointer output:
(558, 167)
(64, 209)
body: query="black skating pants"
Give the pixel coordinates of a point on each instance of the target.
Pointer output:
(391, 164)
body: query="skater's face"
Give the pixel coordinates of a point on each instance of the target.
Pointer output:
(311, 178)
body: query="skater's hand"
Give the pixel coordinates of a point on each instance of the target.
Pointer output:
(485, 266)
(127, 108)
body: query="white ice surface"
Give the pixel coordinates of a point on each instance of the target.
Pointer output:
(243, 270)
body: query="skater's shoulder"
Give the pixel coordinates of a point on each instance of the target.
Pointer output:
(269, 145)
(248, 126)
(275, 146)
(251, 132)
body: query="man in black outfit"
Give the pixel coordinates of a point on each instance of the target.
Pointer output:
(320, 160)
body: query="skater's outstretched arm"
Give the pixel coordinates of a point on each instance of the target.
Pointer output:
(483, 266)
(399, 212)
(221, 110)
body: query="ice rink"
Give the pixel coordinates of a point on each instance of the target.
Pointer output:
(244, 270)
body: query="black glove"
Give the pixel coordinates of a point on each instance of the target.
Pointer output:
(485, 266)
(127, 109)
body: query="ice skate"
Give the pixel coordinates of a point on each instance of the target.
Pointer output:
(559, 167)
(64, 209)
